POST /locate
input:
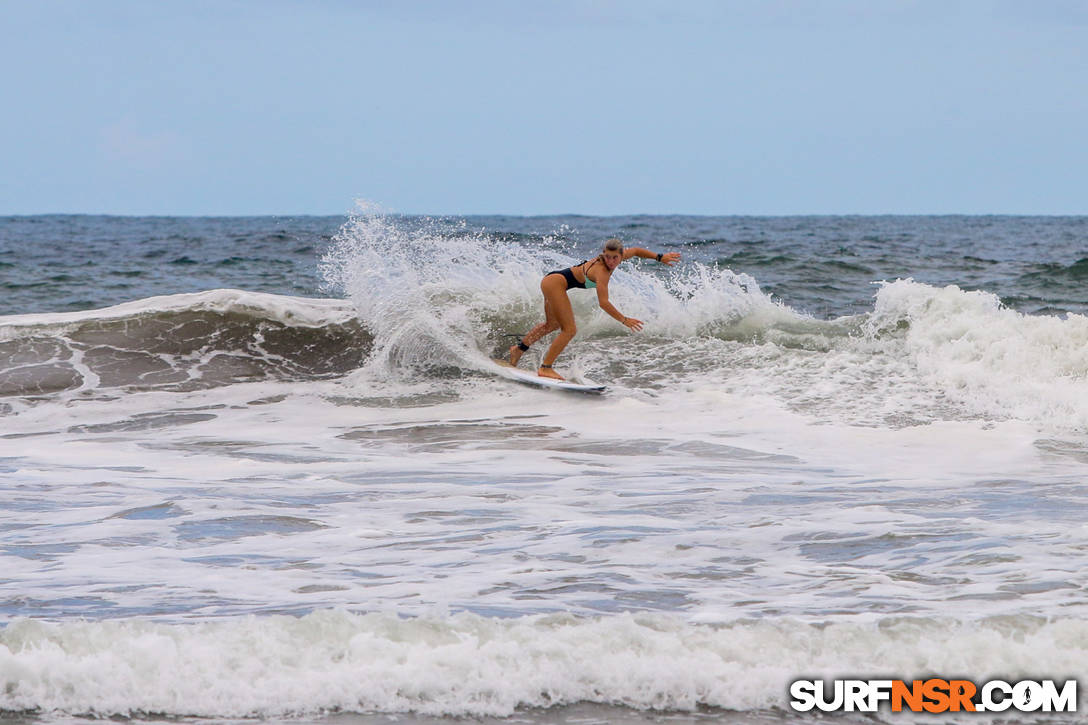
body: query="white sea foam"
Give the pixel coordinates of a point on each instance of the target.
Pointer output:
(424, 292)
(508, 500)
(994, 360)
(470, 665)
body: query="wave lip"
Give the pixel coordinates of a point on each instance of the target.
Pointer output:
(468, 665)
(180, 342)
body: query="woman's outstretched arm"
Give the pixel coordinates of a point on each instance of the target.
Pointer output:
(665, 258)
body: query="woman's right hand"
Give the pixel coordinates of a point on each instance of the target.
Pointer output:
(632, 324)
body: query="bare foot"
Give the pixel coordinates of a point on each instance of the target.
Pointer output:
(549, 373)
(515, 354)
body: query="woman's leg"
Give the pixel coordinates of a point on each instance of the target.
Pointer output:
(550, 323)
(561, 314)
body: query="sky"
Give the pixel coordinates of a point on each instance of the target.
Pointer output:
(460, 107)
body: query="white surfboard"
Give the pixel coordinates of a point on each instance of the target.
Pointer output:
(529, 377)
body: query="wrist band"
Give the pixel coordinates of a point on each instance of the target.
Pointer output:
(659, 256)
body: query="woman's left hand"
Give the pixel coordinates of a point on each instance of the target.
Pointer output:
(632, 324)
(670, 257)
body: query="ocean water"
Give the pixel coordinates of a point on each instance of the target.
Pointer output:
(262, 469)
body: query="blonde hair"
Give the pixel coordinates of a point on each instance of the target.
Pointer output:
(610, 245)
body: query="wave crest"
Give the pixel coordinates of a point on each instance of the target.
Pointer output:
(180, 342)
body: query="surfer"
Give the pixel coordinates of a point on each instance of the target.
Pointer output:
(558, 314)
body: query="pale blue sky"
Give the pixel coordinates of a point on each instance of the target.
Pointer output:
(538, 107)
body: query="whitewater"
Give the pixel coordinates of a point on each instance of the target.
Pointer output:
(262, 468)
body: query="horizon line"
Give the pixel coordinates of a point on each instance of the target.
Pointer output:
(585, 215)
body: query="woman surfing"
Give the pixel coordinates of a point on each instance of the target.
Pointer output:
(558, 313)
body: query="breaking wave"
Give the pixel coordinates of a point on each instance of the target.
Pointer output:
(180, 342)
(467, 665)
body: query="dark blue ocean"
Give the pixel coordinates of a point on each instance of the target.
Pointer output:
(824, 264)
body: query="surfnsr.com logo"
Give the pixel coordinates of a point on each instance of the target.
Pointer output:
(934, 695)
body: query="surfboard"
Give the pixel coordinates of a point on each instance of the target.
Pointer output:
(529, 377)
